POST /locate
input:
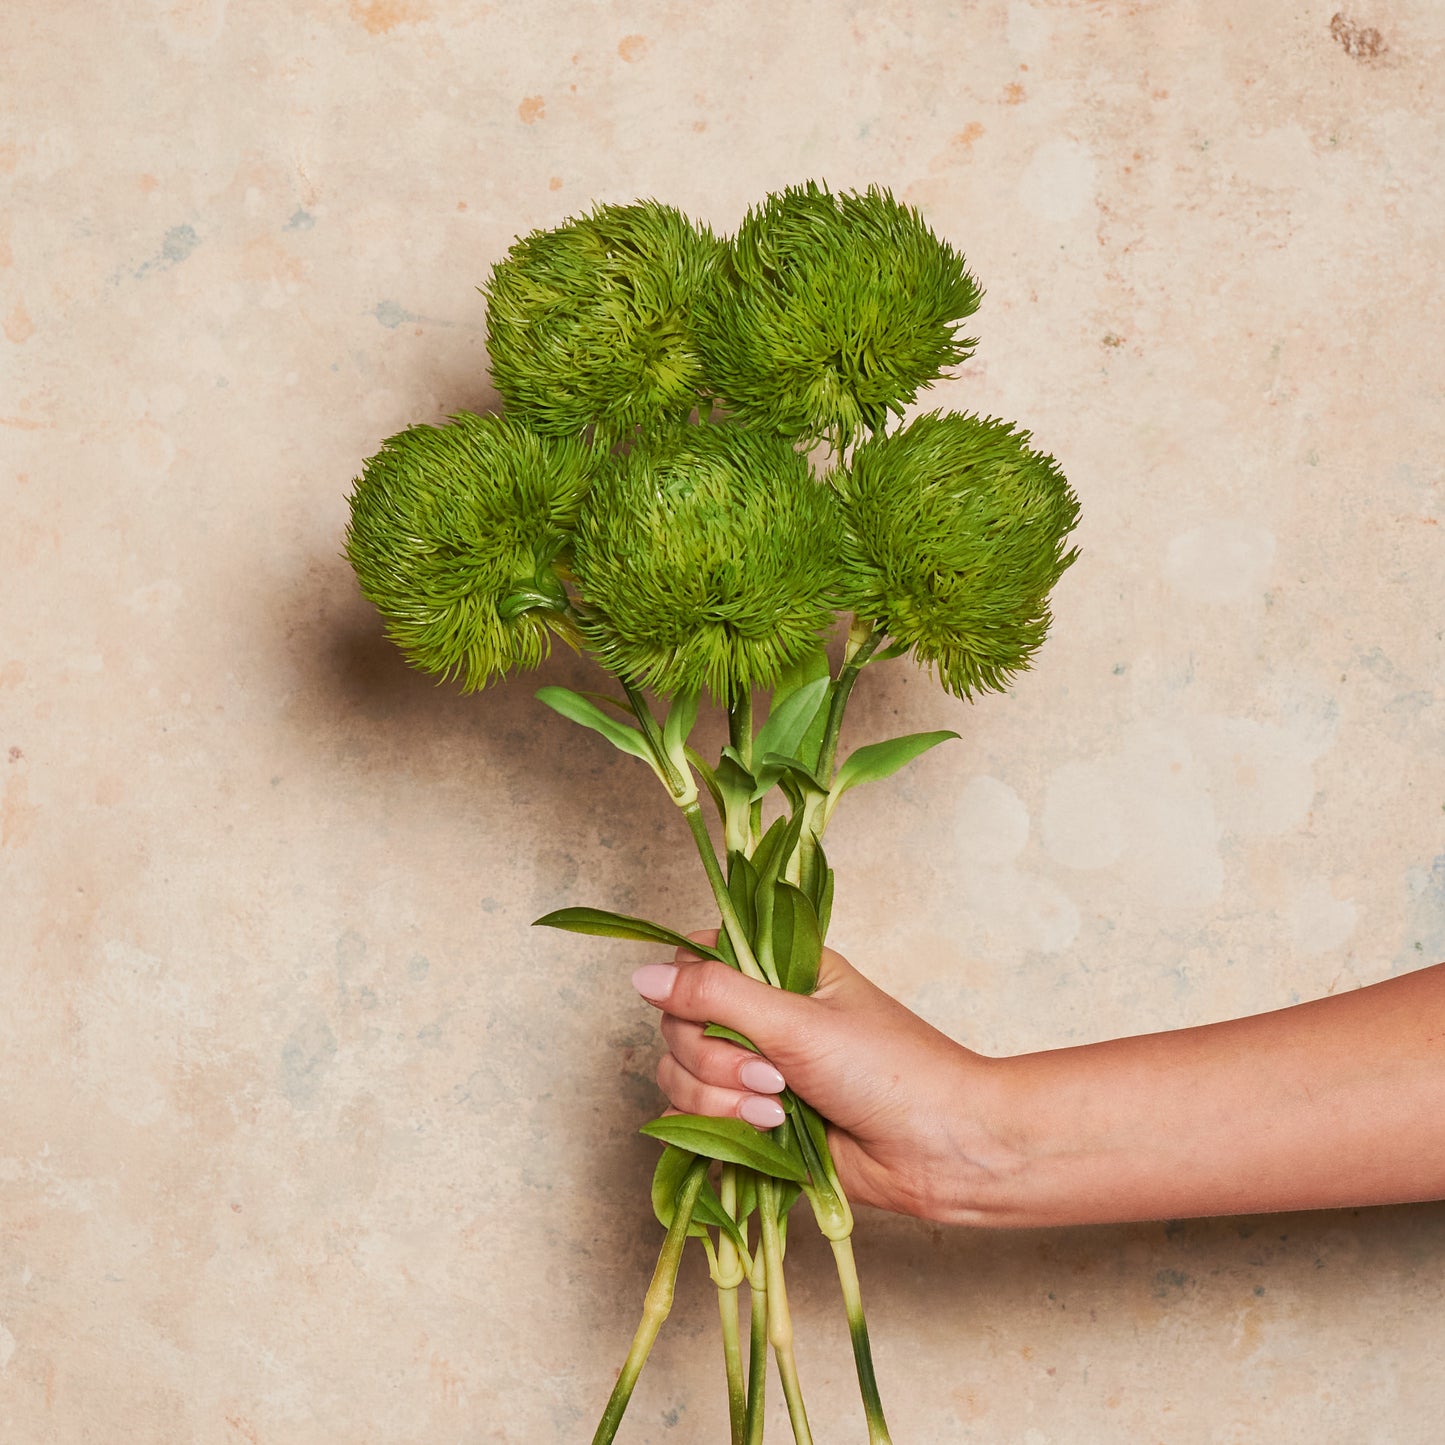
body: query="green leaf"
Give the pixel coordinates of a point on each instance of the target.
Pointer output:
(606, 700)
(721, 1031)
(576, 707)
(678, 725)
(734, 780)
(775, 768)
(603, 924)
(879, 760)
(667, 1180)
(743, 890)
(810, 666)
(797, 941)
(732, 1140)
(709, 780)
(789, 719)
(771, 856)
(825, 903)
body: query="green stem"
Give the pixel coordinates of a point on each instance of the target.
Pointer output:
(730, 1276)
(737, 935)
(863, 642)
(757, 1349)
(657, 1303)
(862, 1352)
(780, 1322)
(650, 730)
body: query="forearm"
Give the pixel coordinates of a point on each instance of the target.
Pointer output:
(1332, 1103)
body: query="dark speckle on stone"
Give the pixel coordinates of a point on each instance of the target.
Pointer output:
(301, 220)
(392, 314)
(179, 242)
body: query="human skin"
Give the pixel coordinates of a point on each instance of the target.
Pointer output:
(1334, 1103)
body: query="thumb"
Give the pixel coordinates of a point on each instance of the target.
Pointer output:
(792, 1030)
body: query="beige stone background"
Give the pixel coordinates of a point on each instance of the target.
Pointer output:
(306, 1136)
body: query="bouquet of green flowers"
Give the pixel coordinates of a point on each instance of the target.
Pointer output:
(648, 497)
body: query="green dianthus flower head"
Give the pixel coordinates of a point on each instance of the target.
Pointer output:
(459, 536)
(590, 324)
(954, 536)
(707, 557)
(832, 311)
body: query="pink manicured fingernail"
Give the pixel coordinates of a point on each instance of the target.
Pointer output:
(761, 1077)
(761, 1113)
(655, 980)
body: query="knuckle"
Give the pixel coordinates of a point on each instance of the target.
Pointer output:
(706, 985)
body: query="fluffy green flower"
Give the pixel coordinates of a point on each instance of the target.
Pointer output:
(954, 535)
(457, 534)
(707, 557)
(590, 324)
(833, 310)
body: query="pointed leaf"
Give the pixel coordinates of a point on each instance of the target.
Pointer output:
(732, 1140)
(667, 1180)
(768, 845)
(789, 719)
(825, 904)
(678, 725)
(603, 924)
(742, 889)
(811, 665)
(734, 781)
(721, 1031)
(580, 710)
(879, 760)
(797, 941)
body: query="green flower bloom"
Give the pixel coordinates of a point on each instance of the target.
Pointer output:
(590, 324)
(954, 535)
(832, 312)
(458, 534)
(707, 557)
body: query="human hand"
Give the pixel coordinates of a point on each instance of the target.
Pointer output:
(901, 1097)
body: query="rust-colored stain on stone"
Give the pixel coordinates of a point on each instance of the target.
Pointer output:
(632, 47)
(1014, 93)
(379, 16)
(18, 325)
(1359, 42)
(532, 109)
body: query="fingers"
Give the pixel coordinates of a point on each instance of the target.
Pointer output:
(716, 1061)
(708, 991)
(693, 1096)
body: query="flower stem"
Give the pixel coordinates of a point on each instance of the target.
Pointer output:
(863, 642)
(730, 1276)
(677, 786)
(780, 1322)
(757, 1349)
(737, 935)
(657, 1303)
(862, 1352)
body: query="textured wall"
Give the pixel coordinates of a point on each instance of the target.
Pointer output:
(306, 1137)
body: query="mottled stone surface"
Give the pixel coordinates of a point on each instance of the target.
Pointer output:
(306, 1137)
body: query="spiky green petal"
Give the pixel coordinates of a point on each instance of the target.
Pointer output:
(707, 557)
(954, 535)
(456, 536)
(590, 324)
(832, 311)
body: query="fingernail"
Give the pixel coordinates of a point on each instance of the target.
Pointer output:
(655, 980)
(761, 1077)
(761, 1113)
